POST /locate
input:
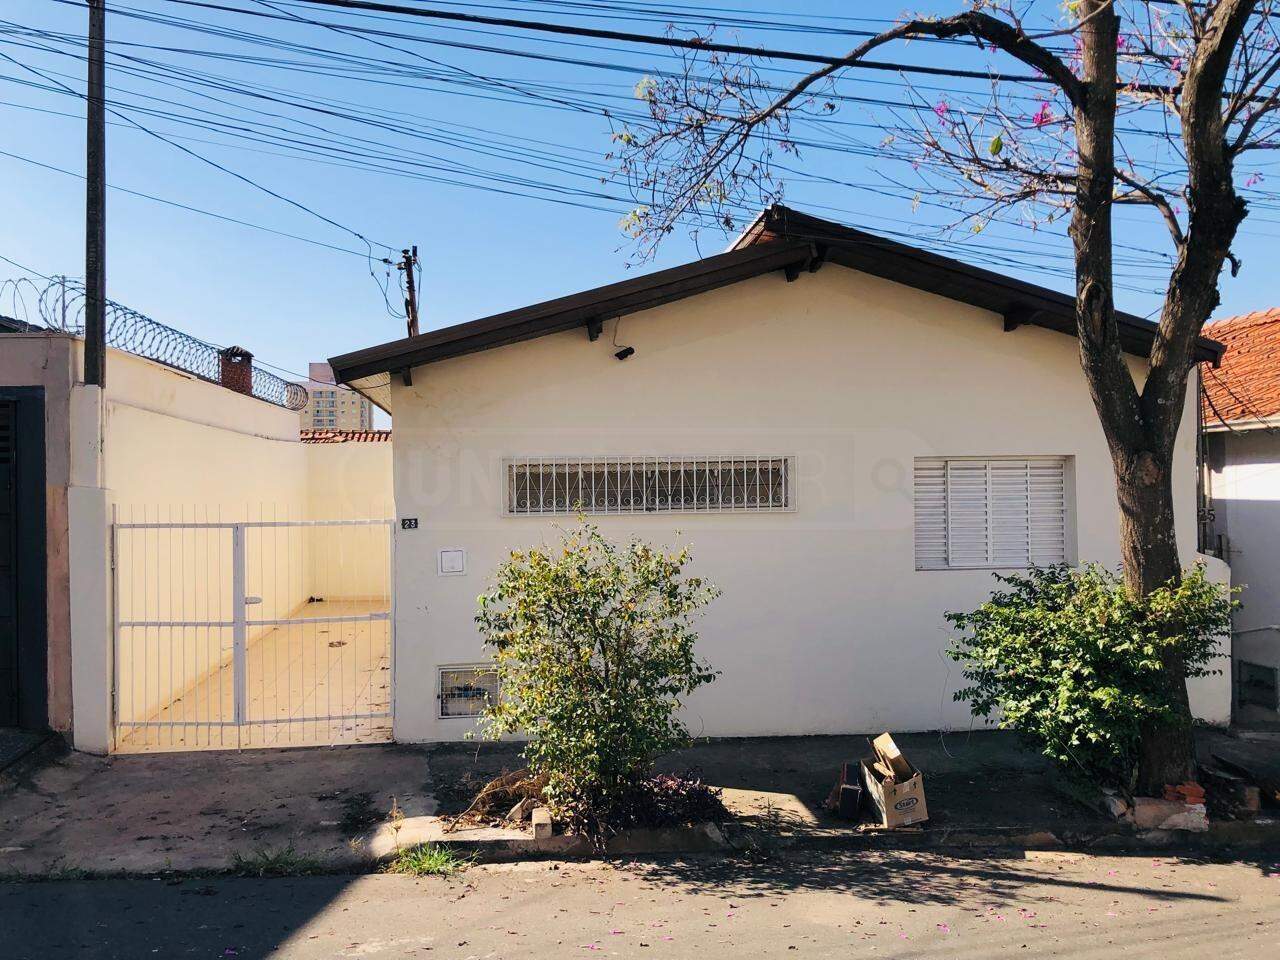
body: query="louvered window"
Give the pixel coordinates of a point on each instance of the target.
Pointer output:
(648, 485)
(990, 513)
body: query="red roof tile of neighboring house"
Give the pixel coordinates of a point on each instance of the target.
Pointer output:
(345, 436)
(1246, 388)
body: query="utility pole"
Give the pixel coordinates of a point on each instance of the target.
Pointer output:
(95, 211)
(407, 264)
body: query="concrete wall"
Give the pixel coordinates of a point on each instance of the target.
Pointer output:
(824, 625)
(1244, 484)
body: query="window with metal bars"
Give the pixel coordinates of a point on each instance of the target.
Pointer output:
(466, 690)
(615, 485)
(1004, 512)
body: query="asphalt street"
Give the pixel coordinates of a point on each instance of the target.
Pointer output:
(1048, 904)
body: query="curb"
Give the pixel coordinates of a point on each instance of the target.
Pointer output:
(1223, 838)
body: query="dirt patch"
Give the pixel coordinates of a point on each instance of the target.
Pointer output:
(460, 770)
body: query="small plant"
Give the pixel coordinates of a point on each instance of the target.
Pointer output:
(266, 862)
(427, 860)
(61, 869)
(1072, 660)
(594, 648)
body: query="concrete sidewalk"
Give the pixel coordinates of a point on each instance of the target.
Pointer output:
(198, 811)
(329, 807)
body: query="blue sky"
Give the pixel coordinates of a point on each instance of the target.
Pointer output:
(482, 251)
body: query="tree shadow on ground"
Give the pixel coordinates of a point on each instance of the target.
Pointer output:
(883, 877)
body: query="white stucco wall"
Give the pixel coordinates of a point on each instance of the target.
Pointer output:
(824, 625)
(1210, 696)
(1245, 487)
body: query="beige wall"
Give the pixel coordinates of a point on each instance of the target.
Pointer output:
(824, 625)
(350, 480)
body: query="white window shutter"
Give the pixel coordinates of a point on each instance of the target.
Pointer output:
(931, 514)
(1004, 512)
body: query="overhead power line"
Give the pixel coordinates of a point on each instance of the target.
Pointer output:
(203, 159)
(185, 206)
(682, 43)
(24, 269)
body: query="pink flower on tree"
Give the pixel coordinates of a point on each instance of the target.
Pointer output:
(942, 108)
(1044, 115)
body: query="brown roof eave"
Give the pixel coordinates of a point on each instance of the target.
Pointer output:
(1017, 300)
(575, 310)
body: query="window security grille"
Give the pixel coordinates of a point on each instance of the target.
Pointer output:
(648, 485)
(465, 691)
(990, 513)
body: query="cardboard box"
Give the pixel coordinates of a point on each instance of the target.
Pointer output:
(896, 804)
(888, 753)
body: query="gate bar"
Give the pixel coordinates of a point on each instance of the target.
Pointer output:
(238, 632)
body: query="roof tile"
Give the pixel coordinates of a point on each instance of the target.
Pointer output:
(1246, 387)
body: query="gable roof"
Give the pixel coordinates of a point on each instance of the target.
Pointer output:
(1245, 390)
(779, 239)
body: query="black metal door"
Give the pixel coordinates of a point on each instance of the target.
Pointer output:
(24, 646)
(8, 564)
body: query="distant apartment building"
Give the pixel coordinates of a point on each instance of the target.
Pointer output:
(331, 407)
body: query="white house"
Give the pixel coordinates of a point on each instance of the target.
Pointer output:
(1241, 412)
(851, 433)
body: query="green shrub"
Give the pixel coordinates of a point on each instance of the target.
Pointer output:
(1071, 659)
(594, 648)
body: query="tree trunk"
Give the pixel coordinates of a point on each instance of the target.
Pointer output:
(1144, 485)
(1141, 445)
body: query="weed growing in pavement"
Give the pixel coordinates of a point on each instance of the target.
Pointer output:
(427, 860)
(265, 862)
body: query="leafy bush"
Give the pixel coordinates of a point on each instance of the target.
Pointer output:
(593, 645)
(1071, 659)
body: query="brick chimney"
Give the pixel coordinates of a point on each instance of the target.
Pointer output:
(236, 369)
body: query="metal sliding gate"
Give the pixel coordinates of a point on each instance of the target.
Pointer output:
(253, 633)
